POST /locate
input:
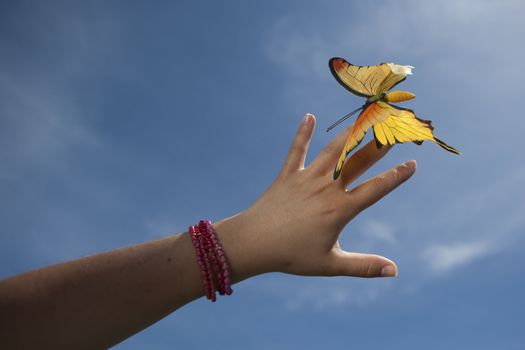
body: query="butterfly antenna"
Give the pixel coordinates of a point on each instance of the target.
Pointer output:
(343, 119)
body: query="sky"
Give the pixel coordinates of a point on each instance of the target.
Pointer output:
(110, 110)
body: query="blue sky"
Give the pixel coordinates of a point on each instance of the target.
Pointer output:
(108, 111)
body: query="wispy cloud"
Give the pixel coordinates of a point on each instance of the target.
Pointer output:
(443, 258)
(39, 126)
(379, 230)
(46, 124)
(302, 53)
(478, 224)
(318, 294)
(386, 29)
(319, 298)
(42, 115)
(325, 296)
(480, 218)
(436, 38)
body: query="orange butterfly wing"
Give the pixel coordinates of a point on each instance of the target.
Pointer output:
(371, 115)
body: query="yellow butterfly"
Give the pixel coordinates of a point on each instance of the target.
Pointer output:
(391, 124)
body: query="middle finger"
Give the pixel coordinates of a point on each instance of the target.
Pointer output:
(361, 161)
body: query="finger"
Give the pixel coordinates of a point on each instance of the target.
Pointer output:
(297, 153)
(361, 161)
(369, 192)
(327, 158)
(362, 265)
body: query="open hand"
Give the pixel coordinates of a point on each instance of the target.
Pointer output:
(295, 225)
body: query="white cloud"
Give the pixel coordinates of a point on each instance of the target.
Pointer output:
(311, 296)
(459, 45)
(490, 213)
(442, 258)
(379, 230)
(480, 222)
(430, 30)
(317, 294)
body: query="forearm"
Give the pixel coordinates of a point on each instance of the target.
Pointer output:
(98, 301)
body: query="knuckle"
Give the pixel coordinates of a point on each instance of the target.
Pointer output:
(295, 148)
(364, 269)
(379, 185)
(329, 149)
(386, 182)
(368, 269)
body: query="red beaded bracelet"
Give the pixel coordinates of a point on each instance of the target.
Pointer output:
(219, 259)
(203, 263)
(211, 260)
(208, 244)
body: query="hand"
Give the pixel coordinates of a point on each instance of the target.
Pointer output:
(295, 225)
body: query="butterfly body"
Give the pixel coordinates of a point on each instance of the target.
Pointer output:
(376, 98)
(391, 124)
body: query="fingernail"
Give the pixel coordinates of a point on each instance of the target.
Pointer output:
(411, 164)
(388, 271)
(308, 118)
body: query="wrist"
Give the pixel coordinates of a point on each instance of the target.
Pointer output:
(239, 247)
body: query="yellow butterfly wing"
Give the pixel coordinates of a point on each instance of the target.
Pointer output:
(366, 81)
(402, 125)
(391, 125)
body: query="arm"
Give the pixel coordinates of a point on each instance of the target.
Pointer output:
(98, 301)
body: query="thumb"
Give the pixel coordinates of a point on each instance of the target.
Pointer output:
(362, 265)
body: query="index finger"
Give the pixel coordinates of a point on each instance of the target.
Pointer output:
(369, 192)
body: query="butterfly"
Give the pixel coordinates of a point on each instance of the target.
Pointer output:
(391, 124)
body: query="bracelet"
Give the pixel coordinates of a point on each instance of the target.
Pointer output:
(211, 260)
(196, 239)
(219, 257)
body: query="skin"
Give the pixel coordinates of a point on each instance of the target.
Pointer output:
(100, 300)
